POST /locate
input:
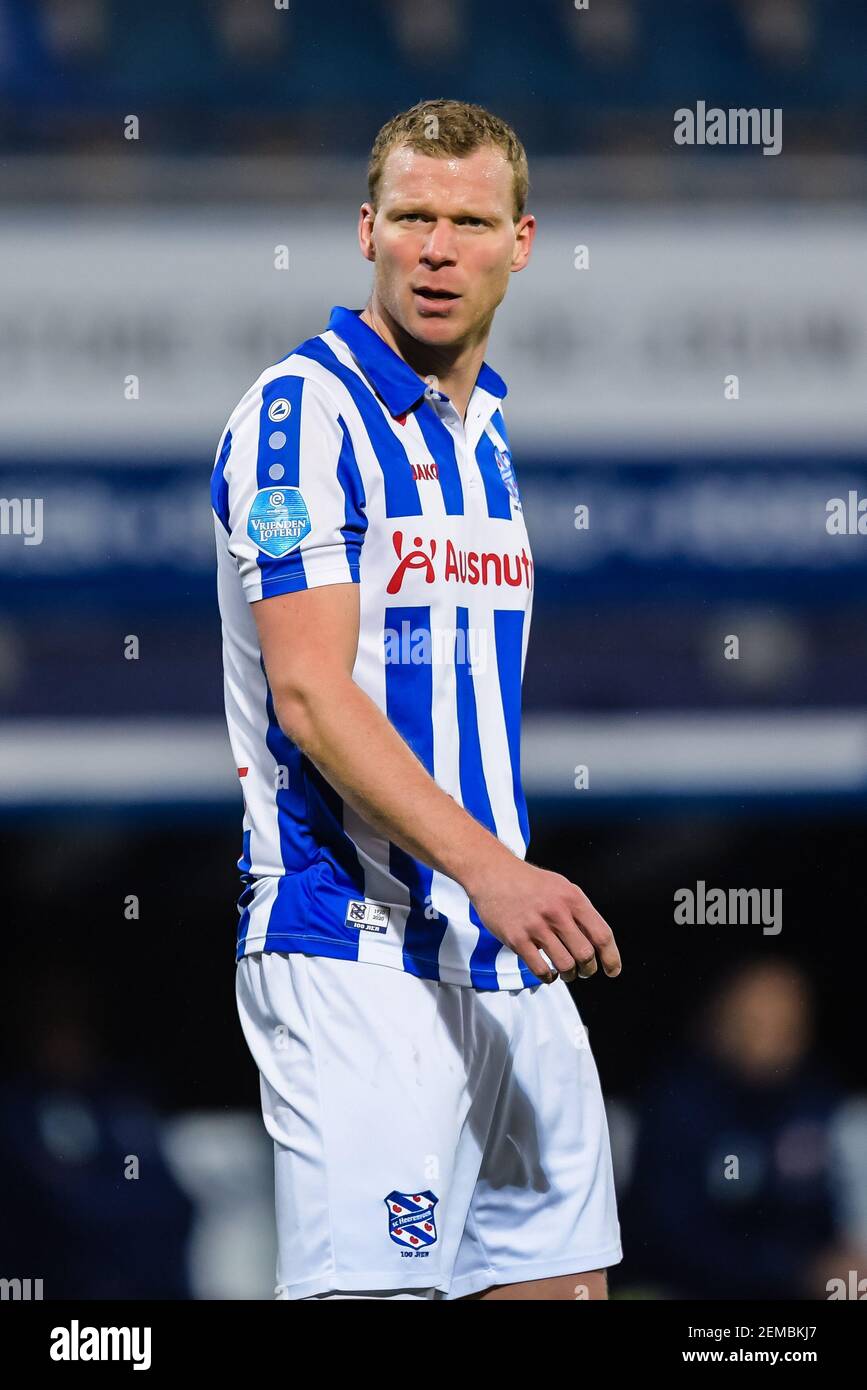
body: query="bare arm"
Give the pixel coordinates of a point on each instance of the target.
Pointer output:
(309, 641)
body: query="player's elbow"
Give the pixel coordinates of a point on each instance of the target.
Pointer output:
(293, 712)
(305, 708)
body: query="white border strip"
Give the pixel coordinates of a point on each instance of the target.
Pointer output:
(139, 762)
(749, 752)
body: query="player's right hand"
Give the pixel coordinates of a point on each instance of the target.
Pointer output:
(534, 910)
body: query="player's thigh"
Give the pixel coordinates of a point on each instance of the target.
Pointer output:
(544, 1204)
(365, 1094)
(573, 1288)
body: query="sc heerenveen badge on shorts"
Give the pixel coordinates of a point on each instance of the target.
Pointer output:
(411, 1218)
(278, 520)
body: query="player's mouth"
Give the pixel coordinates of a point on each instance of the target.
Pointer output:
(433, 300)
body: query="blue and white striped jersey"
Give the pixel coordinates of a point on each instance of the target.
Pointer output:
(340, 464)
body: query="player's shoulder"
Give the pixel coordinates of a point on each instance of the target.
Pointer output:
(296, 387)
(300, 380)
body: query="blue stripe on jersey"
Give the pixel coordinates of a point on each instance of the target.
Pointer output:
(349, 477)
(409, 706)
(244, 910)
(220, 483)
(474, 791)
(499, 425)
(527, 975)
(442, 447)
(508, 640)
(317, 854)
(496, 493)
(244, 864)
(298, 845)
(290, 388)
(325, 809)
(401, 491)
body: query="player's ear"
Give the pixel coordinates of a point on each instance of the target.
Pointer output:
(366, 217)
(525, 232)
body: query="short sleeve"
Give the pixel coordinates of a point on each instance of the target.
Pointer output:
(288, 490)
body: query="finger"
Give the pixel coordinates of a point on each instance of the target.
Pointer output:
(582, 957)
(587, 969)
(575, 974)
(538, 964)
(594, 925)
(557, 951)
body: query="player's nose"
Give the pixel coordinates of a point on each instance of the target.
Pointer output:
(440, 244)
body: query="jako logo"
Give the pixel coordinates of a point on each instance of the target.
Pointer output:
(76, 1343)
(463, 566)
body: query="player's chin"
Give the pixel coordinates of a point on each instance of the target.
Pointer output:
(440, 323)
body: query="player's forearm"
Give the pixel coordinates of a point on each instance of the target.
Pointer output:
(360, 753)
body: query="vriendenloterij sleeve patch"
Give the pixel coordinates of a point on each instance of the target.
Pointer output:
(278, 520)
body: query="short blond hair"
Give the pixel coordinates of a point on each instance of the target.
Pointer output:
(445, 128)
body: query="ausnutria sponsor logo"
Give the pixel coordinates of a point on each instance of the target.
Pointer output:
(461, 566)
(76, 1343)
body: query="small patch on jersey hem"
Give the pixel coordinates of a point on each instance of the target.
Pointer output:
(367, 916)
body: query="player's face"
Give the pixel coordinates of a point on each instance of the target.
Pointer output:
(444, 242)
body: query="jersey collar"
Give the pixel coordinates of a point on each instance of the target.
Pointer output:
(395, 381)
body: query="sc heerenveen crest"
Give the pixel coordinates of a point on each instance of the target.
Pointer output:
(507, 473)
(411, 1219)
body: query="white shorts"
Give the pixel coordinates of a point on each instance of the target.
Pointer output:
(426, 1136)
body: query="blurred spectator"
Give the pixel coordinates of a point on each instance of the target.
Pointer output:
(26, 56)
(253, 34)
(71, 1129)
(606, 33)
(781, 30)
(429, 33)
(77, 30)
(738, 1188)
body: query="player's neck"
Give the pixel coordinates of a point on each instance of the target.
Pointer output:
(455, 372)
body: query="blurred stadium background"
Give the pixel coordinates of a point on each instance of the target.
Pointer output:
(140, 295)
